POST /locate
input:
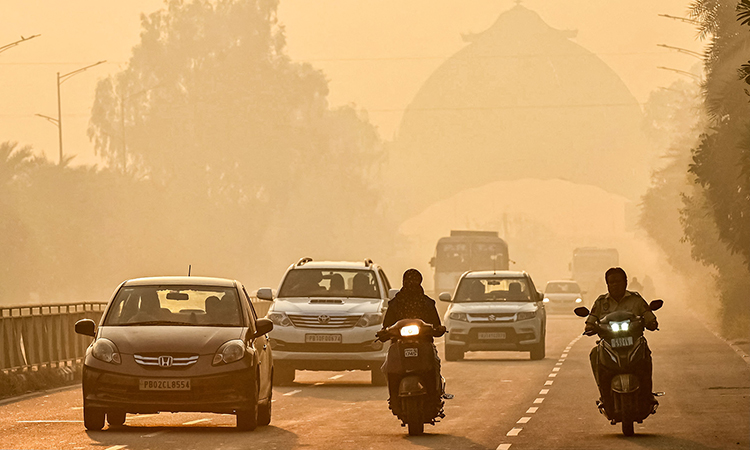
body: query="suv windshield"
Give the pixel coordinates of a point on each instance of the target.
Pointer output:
(175, 305)
(562, 288)
(330, 283)
(493, 290)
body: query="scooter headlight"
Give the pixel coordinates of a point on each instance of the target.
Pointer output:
(620, 326)
(410, 330)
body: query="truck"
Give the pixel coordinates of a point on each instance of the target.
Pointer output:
(588, 267)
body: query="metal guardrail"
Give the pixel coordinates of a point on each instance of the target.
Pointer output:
(44, 336)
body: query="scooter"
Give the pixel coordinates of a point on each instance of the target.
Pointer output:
(411, 358)
(621, 349)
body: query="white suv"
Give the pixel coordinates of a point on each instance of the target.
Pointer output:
(491, 311)
(325, 317)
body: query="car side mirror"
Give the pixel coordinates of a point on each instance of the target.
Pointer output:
(444, 297)
(392, 293)
(656, 304)
(86, 327)
(581, 311)
(263, 326)
(264, 294)
(539, 296)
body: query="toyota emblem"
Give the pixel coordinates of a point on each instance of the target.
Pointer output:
(165, 361)
(324, 318)
(491, 318)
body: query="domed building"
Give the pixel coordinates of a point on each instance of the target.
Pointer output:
(521, 100)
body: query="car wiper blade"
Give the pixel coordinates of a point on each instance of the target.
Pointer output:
(156, 322)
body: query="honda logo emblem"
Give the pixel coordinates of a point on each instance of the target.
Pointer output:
(165, 361)
(324, 319)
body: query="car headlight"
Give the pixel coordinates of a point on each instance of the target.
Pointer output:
(458, 316)
(579, 300)
(280, 319)
(545, 300)
(525, 315)
(105, 350)
(370, 319)
(410, 330)
(229, 352)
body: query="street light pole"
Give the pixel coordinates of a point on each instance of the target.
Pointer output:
(60, 80)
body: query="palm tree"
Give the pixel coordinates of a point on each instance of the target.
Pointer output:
(14, 161)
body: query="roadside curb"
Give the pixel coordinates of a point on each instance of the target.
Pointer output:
(18, 384)
(744, 354)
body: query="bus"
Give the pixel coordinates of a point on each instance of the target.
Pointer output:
(467, 250)
(588, 267)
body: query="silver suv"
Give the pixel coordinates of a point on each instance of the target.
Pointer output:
(325, 317)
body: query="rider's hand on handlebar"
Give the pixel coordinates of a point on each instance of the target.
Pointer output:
(653, 325)
(590, 329)
(440, 330)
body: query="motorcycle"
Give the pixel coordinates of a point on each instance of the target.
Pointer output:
(411, 363)
(621, 349)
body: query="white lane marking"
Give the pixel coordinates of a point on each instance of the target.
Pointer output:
(538, 400)
(532, 410)
(293, 392)
(320, 383)
(193, 422)
(559, 364)
(116, 447)
(549, 382)
(552, 375)
(335, 377)
(506, 381)
(544, 392)
(514, 432)
(524, 420)
(503, 447)
(154, 434)
(555, 369)
(141, 416)
(49, 421)
(77, 407)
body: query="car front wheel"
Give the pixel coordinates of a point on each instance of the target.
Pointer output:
(93, 419)
(247, 418)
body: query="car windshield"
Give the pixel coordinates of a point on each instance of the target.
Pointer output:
(493, 290)
(562, 288)
(330, 283)
(175, 305)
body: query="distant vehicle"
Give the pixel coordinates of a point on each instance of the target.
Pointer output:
(588, 267)
(326, 315)
(562, 296)
(177, 344)
(495, 311)
(467, 250)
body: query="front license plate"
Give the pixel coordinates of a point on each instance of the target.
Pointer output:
(622, 342)
(162, 384)
(411, 352)
(324, 338)
(492, 335)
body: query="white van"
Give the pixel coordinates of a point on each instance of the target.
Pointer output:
(325, 317)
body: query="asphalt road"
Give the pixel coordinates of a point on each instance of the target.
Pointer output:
(502, 401)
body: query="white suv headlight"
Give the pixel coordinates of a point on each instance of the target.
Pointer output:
(229, 352)
(458, 316)
(280, 319)
(526, 315)
(105, 350)
(370, 319)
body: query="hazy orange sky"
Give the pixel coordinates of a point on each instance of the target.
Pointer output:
(376, 53)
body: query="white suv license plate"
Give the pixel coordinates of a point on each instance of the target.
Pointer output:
(169, 384)
(491, 335)
(323, 338)
(622, 342)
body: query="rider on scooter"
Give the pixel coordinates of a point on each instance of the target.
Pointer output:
(412, 303)
(620, 299)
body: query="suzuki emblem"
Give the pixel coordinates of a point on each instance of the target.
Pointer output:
(491, 318)
(165, 361)
(324, 319)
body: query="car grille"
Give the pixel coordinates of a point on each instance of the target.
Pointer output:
(323, 320)
(176, 361)
(368, 346)
(496, 317)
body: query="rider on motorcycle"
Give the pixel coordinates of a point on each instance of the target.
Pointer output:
(412, 303)
(620, 299)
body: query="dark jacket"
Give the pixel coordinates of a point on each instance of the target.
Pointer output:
(411, 304)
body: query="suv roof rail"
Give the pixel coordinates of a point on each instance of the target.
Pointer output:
(303, 261)
(368, 262)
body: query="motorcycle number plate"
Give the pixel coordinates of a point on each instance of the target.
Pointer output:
(622, 342)
(411, 352)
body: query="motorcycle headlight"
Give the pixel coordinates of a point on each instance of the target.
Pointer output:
(279, 319)
(370, 319)
(458, 316)
(579, 300)
(525, 315)
(545, 300)
(410, 330)
(620, 326)
(229, 352)
(105, 350)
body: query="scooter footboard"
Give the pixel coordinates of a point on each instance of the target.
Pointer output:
(625, 383)
(411, 386)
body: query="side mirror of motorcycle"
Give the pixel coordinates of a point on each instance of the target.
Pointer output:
(656, 304)
(444, 297)
(581, 311)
